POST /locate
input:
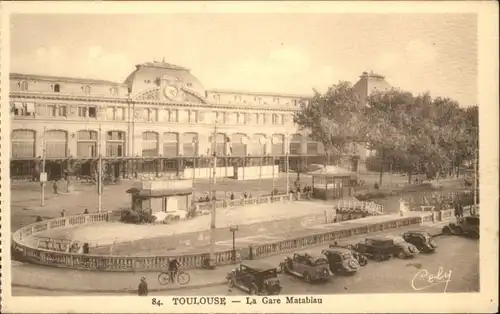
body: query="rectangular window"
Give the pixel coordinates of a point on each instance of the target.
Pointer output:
(114, 149)
(194, 116)
(82, 112)
(52, 110)
(120, 113)
(63, 111)
(92, 112)
(110, 113)
(265, 118)
(256, 115)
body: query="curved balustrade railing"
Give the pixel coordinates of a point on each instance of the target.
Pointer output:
(155, 263)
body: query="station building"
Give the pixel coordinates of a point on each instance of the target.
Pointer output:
(159, 120)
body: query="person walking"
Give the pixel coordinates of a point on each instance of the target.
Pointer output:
(55, 188)
(457, 211)
(143, 287)
(231, 197)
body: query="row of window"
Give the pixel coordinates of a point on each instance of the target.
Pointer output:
(155, 114)
(56, 88)
(56, 143)
(256, 99)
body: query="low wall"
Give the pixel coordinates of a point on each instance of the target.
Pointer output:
(157, 263)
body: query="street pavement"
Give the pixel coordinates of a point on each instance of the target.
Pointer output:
(458, 255)
(50, 280)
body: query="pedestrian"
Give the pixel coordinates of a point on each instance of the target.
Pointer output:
(231, 197)
(86, 211)
(143, 288)
(63, 212)
(55, 188)
(250, 195)
(245, 196)
(457, 211)
(461, 210)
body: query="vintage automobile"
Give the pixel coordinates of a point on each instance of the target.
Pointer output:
(384, 247)
(255, 277)
(310, 267)
(341, 260)
(466, 226)
(421, 239)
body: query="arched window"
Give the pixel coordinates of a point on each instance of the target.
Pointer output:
(295, 144)
(170, 144)
(57, 88)
(24, 86)
(87, 89)
(23, 143)
(278, 141)
(56, 143)
(115, 144)
(86, 143)
(258, 145)
(221, 143)
(190, 144)
(239, 144)
(149, 144)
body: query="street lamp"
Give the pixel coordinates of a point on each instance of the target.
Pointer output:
(263, 142)
(244, 141)
(193, 142)
(233, 229)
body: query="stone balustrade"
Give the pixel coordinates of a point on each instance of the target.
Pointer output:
(47, 257)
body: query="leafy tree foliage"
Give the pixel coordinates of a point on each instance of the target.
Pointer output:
(333, 118)
(415, 134)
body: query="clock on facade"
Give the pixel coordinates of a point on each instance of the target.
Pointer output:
(171, 92)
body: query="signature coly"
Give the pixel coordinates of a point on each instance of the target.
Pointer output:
(430, 280)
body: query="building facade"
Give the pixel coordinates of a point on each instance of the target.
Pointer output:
(161, 111)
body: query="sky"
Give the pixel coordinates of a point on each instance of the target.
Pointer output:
(279, 52)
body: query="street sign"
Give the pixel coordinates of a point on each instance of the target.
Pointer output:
(43, 177)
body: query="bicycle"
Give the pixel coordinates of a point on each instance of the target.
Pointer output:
(165, 277)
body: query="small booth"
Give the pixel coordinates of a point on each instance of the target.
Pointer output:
(332, 186)
(162, 196)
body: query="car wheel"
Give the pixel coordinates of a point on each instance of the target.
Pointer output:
(401, 254)
(446, 230)
(307, 277)
(377, 257)
(363, 261)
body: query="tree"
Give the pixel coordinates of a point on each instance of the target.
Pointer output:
(386, 124)
(332, 118)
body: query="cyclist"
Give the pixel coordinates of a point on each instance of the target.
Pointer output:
(173, 268)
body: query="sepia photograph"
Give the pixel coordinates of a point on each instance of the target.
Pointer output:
(244, 159)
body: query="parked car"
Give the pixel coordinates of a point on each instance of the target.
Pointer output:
(384, 247)
(341, 260)
(466, 226)
(310, 267)
(421, 239)
(255, 277)
(361, 258)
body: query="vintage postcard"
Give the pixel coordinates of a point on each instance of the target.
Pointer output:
(244, 157)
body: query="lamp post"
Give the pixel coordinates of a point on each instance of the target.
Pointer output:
(233, 229)
(212, 195)
(193, 142)
(43, 174)
(99, 184)
(262, 142)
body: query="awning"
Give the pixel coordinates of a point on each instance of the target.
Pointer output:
(30, 107)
